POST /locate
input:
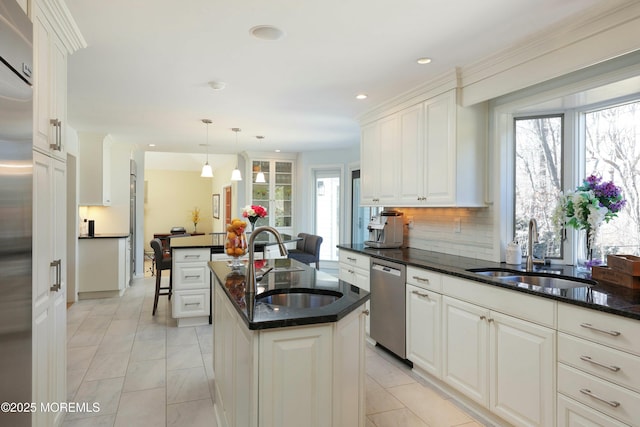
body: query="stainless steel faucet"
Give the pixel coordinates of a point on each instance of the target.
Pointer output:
(251, 268)
(533, 238)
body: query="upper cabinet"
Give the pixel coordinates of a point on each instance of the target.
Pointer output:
(428, 154)
(95, 169)
(276, 194)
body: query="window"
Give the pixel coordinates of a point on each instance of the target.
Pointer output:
(538, 179)
(612, 137)
(607, 145)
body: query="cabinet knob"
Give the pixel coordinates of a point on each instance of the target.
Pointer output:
(365, 312)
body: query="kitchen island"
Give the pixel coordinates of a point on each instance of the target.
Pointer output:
(293, 363)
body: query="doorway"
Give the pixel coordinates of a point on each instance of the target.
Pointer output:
(327, 189)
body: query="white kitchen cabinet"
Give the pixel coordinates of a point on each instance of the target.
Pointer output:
(428, 154)
(102, 267)
(574, 414)
(354, 269)
(49, 286)
(380, 162)
(598, 367)
(424, 330)
(307, 375)
(503, 362)
(276, 194)
(191, 301)
(50, 85)
(95, 169)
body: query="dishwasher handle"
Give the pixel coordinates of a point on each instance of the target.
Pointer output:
(385, 269)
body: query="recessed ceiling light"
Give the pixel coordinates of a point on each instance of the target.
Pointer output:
(423, 61)
(361, 96)
(152, 145)
(267, 32)
(277, 151)
(217, 85)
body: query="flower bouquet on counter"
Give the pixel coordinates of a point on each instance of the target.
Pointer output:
(586, 208)
(195, 218)
(253, 212)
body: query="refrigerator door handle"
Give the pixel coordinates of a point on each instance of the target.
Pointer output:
(57, 285)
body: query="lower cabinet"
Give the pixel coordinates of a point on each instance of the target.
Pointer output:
(598, 368)
(354, 269)
(424, 330)
(103, 267)
(191, 300)
(295, 376)
(502, 362)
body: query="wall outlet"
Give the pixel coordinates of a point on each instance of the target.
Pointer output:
(456, 225)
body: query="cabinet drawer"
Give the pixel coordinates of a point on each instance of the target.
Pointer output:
(609, 329)
(605, 362)
(574, 414)
(191, 255)
(424, 279)
(191, 303)
(354, 259)
(190, 276)
(356, 276)
(615, 401)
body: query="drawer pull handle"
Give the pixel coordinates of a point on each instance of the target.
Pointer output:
(351, 271)
(589, 326)
(611, 403)
(193, 276)
(351, 259)
(421, 279)
(192, 256)
(590, 360)
(420, 294)
(191, 303)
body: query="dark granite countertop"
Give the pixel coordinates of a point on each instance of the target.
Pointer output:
(217, 240)
(602, 296)
(104, 236)
(287, 274)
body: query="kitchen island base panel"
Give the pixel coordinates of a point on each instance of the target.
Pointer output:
(192, 321)
(100, 294)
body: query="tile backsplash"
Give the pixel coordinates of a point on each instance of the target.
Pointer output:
(465, 232)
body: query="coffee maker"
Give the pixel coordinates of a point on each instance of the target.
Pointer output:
(385, 230)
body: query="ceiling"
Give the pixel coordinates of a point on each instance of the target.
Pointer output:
(144, 76)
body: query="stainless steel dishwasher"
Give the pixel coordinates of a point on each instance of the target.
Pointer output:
(388, 305)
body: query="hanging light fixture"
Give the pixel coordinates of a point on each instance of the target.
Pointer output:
(207, 172)
(236, 175)
(260, 179)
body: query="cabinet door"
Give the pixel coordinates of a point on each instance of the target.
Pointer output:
(387, 169)
(465, 348)
(423, 330)
(369, 164)
(58, 99)
(42, 36)
(440, 150)
(49, 285)
(276, 194)
(411, 151)
(522, 368)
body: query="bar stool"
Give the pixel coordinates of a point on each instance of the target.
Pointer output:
(163, 262)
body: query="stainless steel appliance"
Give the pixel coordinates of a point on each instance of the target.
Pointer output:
(388, 305)
(16, 189)
(385, 230)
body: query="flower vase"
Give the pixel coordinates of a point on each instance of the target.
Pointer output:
(586, 258)
(252, 220)
(195, 228)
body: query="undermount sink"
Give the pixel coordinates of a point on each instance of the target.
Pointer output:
(299, 298)
(542, 280)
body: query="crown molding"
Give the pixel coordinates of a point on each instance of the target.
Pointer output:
(65, 26)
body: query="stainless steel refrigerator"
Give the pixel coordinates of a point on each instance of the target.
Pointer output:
(16, 176)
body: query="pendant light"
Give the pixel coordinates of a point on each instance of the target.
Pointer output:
(260, 179)
(207, 172)
(236, 175)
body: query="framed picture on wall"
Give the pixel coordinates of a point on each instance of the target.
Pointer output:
(216, 206)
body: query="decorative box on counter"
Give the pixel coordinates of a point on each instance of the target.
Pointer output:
(627, 264)
(616, 277)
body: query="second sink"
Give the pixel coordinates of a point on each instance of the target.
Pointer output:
(543, 280)
(299, 298)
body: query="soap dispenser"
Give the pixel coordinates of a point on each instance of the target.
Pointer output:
(514, 253)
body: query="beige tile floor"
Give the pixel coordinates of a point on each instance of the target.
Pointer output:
(145, 371)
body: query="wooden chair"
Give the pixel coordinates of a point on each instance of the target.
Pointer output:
(307, 250)
(162, 262)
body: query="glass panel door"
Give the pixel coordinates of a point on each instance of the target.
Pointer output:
(327, 201)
